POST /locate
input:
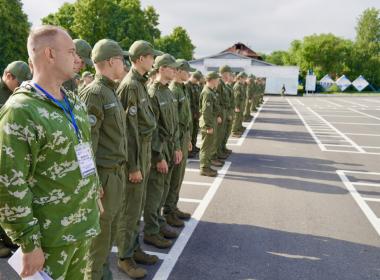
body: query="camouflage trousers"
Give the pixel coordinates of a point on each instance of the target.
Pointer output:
(67, 262)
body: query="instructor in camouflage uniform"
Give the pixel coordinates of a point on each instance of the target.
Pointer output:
(49, 190)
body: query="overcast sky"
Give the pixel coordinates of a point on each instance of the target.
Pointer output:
(265, 26)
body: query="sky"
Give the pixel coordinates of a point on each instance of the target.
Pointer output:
(264, 26)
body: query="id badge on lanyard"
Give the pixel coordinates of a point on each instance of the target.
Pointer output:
(85, 159)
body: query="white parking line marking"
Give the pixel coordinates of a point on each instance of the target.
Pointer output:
(371, 216)
(249, 127)
(175, 252)
(333, 103)
(362, 134)
(365, 184)
(360, 149)
(365, 114)
(161, 256)
(193, 183)
(371, 199)
(190, 200)
(347, 123)
(192, 169)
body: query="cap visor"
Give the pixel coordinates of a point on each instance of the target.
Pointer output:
(157, 53)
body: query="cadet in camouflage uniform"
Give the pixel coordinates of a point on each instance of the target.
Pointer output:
(194, 89)
(108, 133)
(14, 74)
(249, 98)
(172, 214)
(225, 87)
(49, 192)
(83, 51)
(208, 122)
(141, 123)
(166, 153)
(239, 97)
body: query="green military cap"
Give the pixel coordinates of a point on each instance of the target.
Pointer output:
(105, 49)
(83, 49)
(252, 76)
(20, 70)
(212, 76)
(87, 74)
(185, 65)
(224, 69)
(165, 60)
(242, 75)
(197, 75)
(142, 48)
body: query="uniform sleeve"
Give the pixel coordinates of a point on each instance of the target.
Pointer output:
(237, 96)
(19, 151)
(157, 147)
(206, 110)
(94, 105)
(129, 99)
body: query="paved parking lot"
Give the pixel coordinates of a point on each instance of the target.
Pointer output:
(298, 199)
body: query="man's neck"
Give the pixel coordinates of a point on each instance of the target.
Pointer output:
(162, 80)
(50, 84)
(139, 69)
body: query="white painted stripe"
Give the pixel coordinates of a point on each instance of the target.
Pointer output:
(190, 200)
(193, 183)
(354, 103)
(362, 134)
(249, 127)
(338, 132)
(316, 139)
(337, 145)
(299, 102)
(365, 114)
(174, 253)
(192, 170)
(161, 256)
(370, 147)
(371, 216)
(360, 172)
(333, 103)
(371, 199)
(355, 123)
(340, 116)
(366, 184)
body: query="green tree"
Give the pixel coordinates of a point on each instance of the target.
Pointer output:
(277, 57)
(178, 44)
(14, 27)
(121, 20)
(366, 51)
(63, 17)
(324, 53)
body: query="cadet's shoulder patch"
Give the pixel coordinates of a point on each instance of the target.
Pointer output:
(132, 110)
(92, 120)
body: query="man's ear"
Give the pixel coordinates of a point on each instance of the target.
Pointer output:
(9, 76)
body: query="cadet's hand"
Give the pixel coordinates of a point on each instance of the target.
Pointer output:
(210, 131)
(219, 120)
(101, 192)
(135, 177)
(32, 262)
(177, 157)
(162, 167)
(190, 148)
(237, 110)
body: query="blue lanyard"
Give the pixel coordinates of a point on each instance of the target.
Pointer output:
(68, 111)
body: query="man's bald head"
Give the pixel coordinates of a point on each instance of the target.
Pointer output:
(52, 52)
(42, 37)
